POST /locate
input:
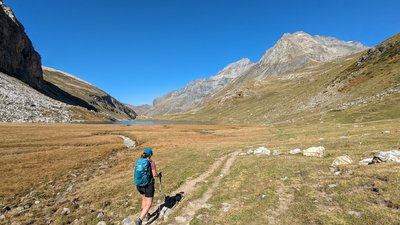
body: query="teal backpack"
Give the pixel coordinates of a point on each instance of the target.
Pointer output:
(142, 174)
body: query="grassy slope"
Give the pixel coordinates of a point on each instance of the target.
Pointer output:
(311, 92)
(85, 92)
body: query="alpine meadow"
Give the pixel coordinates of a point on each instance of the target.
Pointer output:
(307, 134)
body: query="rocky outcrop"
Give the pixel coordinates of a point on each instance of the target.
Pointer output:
(18, 58)
(294, 51)
(194, 93)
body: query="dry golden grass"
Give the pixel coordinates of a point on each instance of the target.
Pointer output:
(60, 165)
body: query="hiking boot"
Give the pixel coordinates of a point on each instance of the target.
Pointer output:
(138, 221)
(148, 216)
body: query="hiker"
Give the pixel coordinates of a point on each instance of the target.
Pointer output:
(145, 171)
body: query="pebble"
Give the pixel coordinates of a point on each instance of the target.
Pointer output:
(332, 185)
(338, 173)
(2, 217)
(101, 214)
(66, 211)
(37, 202)
(101, 223)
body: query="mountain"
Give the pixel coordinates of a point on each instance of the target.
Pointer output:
(52, 96)
(361, 87)
(192, 95)
(290, 53)
(18, 58)
(294, 51)
(106, 105)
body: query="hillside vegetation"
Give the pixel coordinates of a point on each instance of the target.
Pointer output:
(361, 87)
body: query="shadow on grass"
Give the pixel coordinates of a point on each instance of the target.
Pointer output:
(165, 208)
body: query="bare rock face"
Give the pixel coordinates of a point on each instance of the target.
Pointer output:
(294, 51)
(192, 95)
(18, 58)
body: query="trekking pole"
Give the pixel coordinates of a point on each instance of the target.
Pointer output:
(160, 175)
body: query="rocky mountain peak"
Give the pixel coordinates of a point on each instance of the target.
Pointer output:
(233, 70)
(295, 50)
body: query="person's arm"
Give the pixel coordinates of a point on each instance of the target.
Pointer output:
(154, 170)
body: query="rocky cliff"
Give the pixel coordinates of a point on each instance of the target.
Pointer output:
(192, 95)
(18, 58)
(294, 51)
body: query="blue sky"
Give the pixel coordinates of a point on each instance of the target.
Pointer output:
(139, 50)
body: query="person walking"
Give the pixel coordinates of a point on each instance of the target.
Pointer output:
(145, 171)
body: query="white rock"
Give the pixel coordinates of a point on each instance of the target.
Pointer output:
(314, 152)
(342, 160)
(332, 185)
(262, 151)
(389, 156)
(37, 202)
(295, 151)
(276, 152)
(338, 173)
(226, 207)
(365, 161)
(250, 152)
(102, 223)
(66, 211)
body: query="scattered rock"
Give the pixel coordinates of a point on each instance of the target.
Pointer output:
(100, 215)
(2, 217)
(338, 173)
(226, 207)
(365, 161)
(102, 223)
(332, 185)
(284, 178)
(259, 151)
(276, 152)
(262, 151)
(340, 161)
(295, 151)
(37, 202)
(354, 213)
(386, 132)
(66, 211)
(384, 156)
(20, 208)
(314, 152)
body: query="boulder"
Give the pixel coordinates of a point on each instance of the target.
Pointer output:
(314, 152)
(262, 151)
(388, 156)
(295, 151)
(342, 160)
(383, 156)
(365, 161)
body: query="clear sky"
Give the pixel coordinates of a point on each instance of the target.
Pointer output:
(139, 50)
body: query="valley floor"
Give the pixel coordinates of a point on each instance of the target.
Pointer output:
(83, 174)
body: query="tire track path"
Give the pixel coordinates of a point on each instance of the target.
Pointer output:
(193, 206)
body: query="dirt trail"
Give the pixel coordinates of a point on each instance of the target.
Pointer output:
(285, 198)
(188, 188)
(193, 206)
